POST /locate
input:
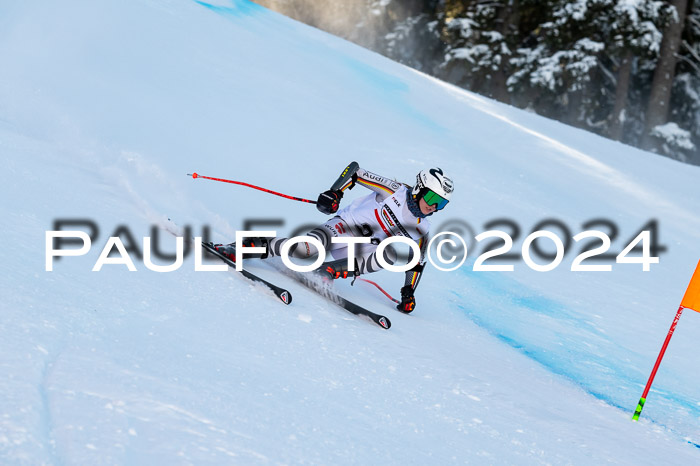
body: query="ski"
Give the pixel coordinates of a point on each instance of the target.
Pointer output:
(312, 281)
(309, 280)
(284, 295)
(349, 306)
(171, 227)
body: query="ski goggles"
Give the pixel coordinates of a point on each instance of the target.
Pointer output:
(432, 198)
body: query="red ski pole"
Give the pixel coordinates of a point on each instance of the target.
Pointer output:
(643, 399)
(195, 175)
(691, 300)
(380, 289)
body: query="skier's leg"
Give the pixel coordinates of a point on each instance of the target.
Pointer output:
(368, 262)
(273, 246)
(335, 227)
(365, 262)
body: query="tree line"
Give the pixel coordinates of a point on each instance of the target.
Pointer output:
(628, 70)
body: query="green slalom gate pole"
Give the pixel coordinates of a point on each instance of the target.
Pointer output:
(643, 399)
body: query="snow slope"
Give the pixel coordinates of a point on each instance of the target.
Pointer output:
(105, 106)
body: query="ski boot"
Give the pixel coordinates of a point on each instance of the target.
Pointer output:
(333, 270)
(229, 250)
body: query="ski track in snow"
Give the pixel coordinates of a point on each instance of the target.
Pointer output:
(519, 296)
(47, 422)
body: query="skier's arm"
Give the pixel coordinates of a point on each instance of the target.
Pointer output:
(329, 201)
(378, 184)
(408, 300)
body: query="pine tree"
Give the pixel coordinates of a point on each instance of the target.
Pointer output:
(480, 36)
(413, 37)
(635, 37)
(626, 69)
(559, 65)
(685, 97)
(660, 98)
(579, 66)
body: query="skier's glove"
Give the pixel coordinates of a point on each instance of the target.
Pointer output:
(329, 201)
(408, 301)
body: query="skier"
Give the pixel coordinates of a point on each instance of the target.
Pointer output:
(392, 209)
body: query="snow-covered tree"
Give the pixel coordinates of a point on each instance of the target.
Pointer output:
(661, 86)
(413, 37)
(584, 58)
(480, 37)
(685, 98)
(635, 38)
(589, 63)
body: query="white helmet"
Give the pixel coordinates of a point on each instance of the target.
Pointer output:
(433, 186)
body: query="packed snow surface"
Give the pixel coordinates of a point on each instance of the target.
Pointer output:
(106, 106)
